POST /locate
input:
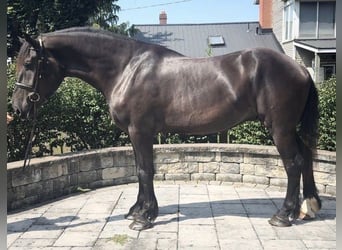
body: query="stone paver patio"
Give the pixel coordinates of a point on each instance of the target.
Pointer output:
(191, 216)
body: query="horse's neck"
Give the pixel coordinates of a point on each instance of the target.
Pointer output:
(95, 62)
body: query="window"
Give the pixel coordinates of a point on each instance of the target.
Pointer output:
(216, 40)
(288, 19)
(329, 70)
(326, 21)
(317, 20)
(308, 19)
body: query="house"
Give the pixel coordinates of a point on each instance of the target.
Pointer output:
(201, 40)
(306, 30)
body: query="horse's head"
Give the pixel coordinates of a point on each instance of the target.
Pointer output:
(38, 77)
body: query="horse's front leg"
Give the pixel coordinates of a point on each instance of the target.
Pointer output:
(145, 210)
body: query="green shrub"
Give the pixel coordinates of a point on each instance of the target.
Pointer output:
(75, 118)
(327, 109)
(251, 132)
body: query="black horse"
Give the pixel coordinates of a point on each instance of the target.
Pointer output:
(151, 89)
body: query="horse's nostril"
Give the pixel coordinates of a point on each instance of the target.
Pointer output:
(17, 111)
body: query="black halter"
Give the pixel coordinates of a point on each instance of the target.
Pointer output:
(33, 98)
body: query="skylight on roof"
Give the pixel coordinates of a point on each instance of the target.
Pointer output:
(216, 40)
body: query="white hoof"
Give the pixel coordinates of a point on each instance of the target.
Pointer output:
(308, 209)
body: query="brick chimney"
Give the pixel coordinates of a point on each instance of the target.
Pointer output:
(162, 18)
(265, 13)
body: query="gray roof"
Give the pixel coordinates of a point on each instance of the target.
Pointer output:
(318, 43)
(192, 39)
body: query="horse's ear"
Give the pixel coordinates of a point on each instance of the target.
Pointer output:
(34, 43)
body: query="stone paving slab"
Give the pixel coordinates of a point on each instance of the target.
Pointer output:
(192, 215)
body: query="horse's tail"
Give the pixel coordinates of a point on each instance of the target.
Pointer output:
(308, 129)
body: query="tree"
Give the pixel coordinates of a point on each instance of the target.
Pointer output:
(124, 29)
(106, 14)
(40, 16)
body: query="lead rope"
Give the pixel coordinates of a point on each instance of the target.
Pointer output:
(34, 100)
(31, 138)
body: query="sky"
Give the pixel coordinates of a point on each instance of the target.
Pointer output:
(187, 11)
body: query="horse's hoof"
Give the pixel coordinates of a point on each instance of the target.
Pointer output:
(278, 221)
(140, 225)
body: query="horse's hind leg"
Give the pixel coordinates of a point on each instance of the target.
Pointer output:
(145, 210)
(312, 202)
(289, 150)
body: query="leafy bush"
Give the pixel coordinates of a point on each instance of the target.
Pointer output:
(77, 118)
(251, 132)
(327, 121)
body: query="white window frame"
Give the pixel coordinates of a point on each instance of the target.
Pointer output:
(289, 35)
(216, 40)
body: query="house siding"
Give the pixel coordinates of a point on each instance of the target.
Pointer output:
(302, 56)
(277, 19)
(289, 49)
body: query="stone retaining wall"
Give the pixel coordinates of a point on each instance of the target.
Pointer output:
(51, 177)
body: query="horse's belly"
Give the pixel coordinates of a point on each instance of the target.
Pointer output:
(203, 120)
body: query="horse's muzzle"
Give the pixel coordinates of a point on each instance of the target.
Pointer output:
(23, 115)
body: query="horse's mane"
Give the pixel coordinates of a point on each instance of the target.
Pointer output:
(98, 32)
(91, 31)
